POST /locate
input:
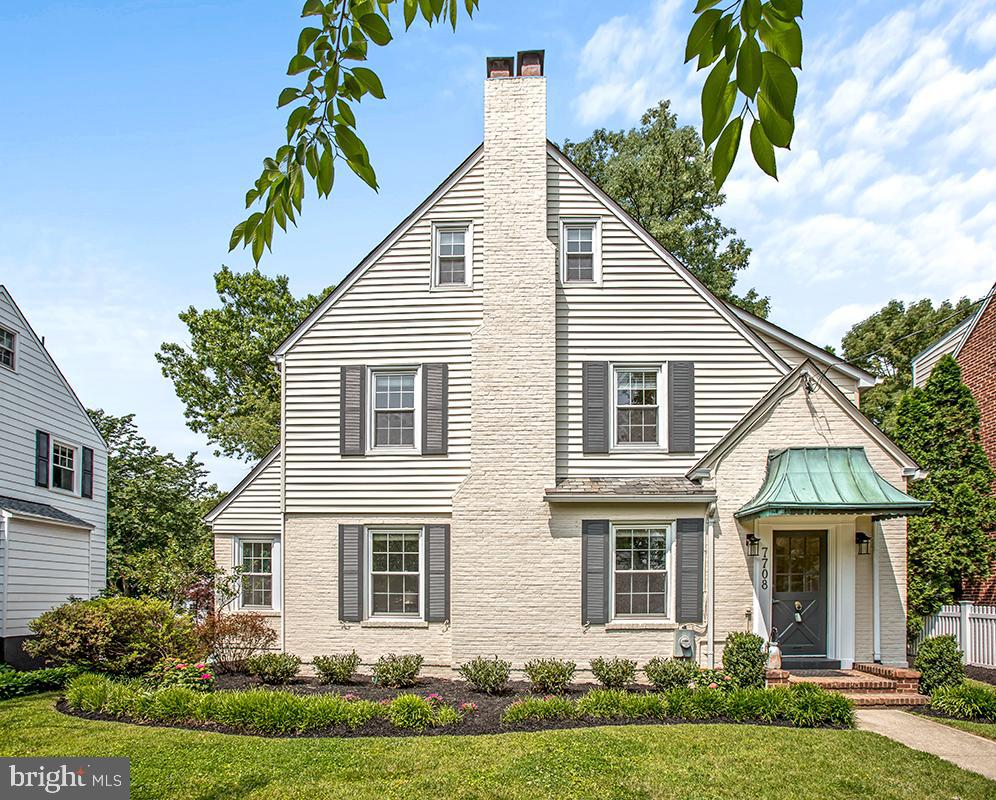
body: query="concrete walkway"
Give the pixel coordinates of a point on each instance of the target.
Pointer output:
(966, 750)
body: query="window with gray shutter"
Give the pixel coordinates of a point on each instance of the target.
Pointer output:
(595, 401)
(351, 406)
(594, 571)
(42, 455)
(435, 399)
(350, 573)
(681, 406)
(690, 534)
(86, 484)
(437, 583)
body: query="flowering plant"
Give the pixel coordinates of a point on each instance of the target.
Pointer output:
(435, 698)
(175, 672)
(350, 696)
(468, 708)
(714, 679)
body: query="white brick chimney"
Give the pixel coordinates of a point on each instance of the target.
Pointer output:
(499, 515)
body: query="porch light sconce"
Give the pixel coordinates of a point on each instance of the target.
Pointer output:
(863, 540)
(753, 545)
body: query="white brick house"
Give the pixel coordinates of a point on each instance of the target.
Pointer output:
(521, 427)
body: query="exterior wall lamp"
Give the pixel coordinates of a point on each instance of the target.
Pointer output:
(753, 545)
(863, 540)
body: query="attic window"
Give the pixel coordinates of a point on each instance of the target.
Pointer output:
(452, 266)
(580, 252)
(7, 340)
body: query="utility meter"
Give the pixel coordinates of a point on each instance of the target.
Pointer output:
(684, 643)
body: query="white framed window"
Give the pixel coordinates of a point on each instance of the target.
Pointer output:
(64, 466)
(8, 348)
(641, 581)
(256, 579)
(395, 566)
(580, 251)
(394, 398)
(637, 410)
(452, 255)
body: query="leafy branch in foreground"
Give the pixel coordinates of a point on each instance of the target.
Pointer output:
(764, 78)
(321, 127)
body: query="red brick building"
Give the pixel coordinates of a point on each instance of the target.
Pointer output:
(973, 344)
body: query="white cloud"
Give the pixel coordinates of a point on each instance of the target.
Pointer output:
(837, 322)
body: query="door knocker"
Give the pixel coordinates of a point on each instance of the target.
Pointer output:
(798, 611)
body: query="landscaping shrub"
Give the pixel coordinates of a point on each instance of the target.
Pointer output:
(670, 673)
(966, 701)
(18, 684)
(410, 711)
(119, 635)
(614, 673)
(810, 706)
(549, 675)
(397, 672)
(175, 672)
(939, 662)
(339, 668)
(713, 679)
(489, 675)
(605, 704)
(530, 708)
(273, 668)
(230, 639)
(745, 660)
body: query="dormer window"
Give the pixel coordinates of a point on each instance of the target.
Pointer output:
(580, 252)
(7, 341)
(452, 246)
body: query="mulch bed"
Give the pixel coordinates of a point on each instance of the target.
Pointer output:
(486, 721)
(984, 674)
(926, 711)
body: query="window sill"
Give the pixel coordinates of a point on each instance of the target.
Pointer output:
(640, 625)
(394, 623)
(263, 612)
(393, 451)
(451, 287)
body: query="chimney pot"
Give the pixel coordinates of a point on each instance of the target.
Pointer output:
(500, 66)
(530, 63)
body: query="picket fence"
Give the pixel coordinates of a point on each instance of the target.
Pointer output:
(973, 626)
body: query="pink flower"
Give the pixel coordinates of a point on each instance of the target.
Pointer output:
(469, 708)
(350, 696)
(181, 666)
(726, 677)
(385, 702)
(435, 697)
(713, 685)
(200, 666)
(206, 676)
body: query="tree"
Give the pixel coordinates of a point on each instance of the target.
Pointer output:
(156, 536)
(225, 378)
(660, 174)
(886, 342)
(938, 425)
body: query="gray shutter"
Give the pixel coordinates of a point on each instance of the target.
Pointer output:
(42, 449)
(435, 399)
(350, 573)
(86, 484)
(352, 385)
(595, 399)
(681, 406)
(594, 571)
(689, 548)
(437, 569)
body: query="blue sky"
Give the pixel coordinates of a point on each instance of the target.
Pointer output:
(133, 128)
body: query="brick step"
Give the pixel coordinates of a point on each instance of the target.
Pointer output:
(901, 699)
(855, 684)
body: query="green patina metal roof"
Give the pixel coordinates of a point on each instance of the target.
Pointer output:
(827, 480)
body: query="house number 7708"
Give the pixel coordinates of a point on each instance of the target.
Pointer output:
(764, 567)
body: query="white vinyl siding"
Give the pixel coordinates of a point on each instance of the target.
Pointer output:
(255, 510)
(36, 397)
(643, 312)
(793, 357)
(389, 317)
(925, 362)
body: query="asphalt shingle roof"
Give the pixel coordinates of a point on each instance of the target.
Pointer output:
(43, 510)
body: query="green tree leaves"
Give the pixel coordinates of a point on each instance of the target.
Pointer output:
(764, 78)
(321, 125)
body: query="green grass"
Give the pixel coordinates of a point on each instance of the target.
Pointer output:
(684, 761)
(984, 729)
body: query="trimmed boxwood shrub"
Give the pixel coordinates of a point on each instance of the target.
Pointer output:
(274, 668)
(338, 669)
(489, 675)
(397, 672)
(939, 663)
(745, 660)
(549, 675)
(18, 684)
(670, 673)
(119, 635)
(614, 673)
(966, 701)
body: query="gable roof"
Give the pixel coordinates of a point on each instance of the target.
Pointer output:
(974, 319)
(954, 340)
(51, 361)
(788, 384)
(25, 509)
(865, 379)
(227, 500)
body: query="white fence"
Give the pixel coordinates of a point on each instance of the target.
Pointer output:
(973, 626)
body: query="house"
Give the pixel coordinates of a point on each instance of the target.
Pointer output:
(973, 345)
(521, 427)
(53, 486)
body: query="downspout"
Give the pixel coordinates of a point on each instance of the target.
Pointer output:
(876, 597)
(711, 585)
(282, 367)
(5, 544)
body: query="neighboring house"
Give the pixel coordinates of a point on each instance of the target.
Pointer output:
(973, 345)
(521, 427)
(53, 485)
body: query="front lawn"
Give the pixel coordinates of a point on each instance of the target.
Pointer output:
(984, 729)
(694, 761)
